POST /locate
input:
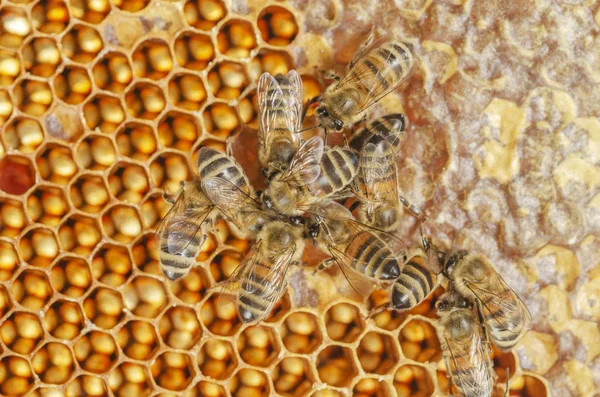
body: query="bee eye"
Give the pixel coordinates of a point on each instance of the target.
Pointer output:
(463, 303)
(267, 201)
(297, 220)
(313, 231)
(338, 125)
(322, 112)
(265, 172)
(441, 306)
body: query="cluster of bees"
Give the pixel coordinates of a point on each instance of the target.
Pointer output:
(346, 200)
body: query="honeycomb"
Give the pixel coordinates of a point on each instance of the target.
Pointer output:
(104, 105)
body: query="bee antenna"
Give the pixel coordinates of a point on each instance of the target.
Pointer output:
(309, 128)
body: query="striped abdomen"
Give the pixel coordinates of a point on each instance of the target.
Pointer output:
(414, 284)
(212, 163)
(506, 323)
(471, 372)
(372, 257)
(256, 293)
(390, 128)
(179, 248)
(339, 167)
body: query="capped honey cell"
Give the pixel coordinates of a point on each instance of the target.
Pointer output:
(71, 276)
(18, 174)
(15, 26)
(16, 376)
(64, 320)
(92, 11)
(145, 101)
(227, 80)
(194, 51)
(103, 113)
(89, 193)
(53, 363)
(129, 377)
(145, 296)
(22, 332)
(33, 97)
(258, 346)
(113, 72)
(336, 366)
(128, 182)
(41, 56)
(12, 218)
(87, 385)
(81, 44)
(96, 352)
(277, 26)
(293, 376)
(136, 141)
(204, 14)
(178, 130)
(173, 371)
(73, 85)
(104, 307)
(79, 234)
(236, 38)
(152, 59)
(138, 340)
(111, 265)
(301, 333)
(180, 328)
(219, 315)
(419, 342)
(47, 205)
(217, 359)
(50, 16)
(249, 382)
(10, 67)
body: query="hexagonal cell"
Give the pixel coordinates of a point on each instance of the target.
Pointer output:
(87, 385)
(39, 247)
(248, 109)
(96, 153)
(64, 320)
(277, 26)
(173, 371)
(71, 276)
(136, 141)
(223, 264)
(54, 363)
(96, 352)
(14, 27)
(56, 164)
(301, 333)
(122, 223)
(145, 297)
(10, 67)
(18, 174)
(33, 97)
(128, 182)
(50, 16)
(64, 123)
(504, 362)
(344, 322)
(528, 386)
(236, 39)
(413, 379)
(187, 92)
(5, 301)
(249, 382)
(12, 218)
(204, 388)
(180, 328)
(220, 120)
(258, 346)
(154, 209)
(138, 340)
(178, 131)
(227, 80)
(152, 59)
(219, 315)
(113, 72)
(103, 112)
(131, 6)
(9, 261)
(22, 332)
(6, 108)
(194, 51)
(419, 342)
(32, 289)
(293, 377)
(336, 366)
(130, 379)
(168, 170)
(16, 377)
(47, 205)
(41, 56)
(377, 353)
(112, 265)
(216, 359)
(91, 11)
(73, 85)
(24, 134)
(79, 234)
(81, 44)
(104, 307)
(274, 62)
(145, 254)
(145, 101)
(204, 14)
(192, 288)
(369, 387)
(89, 193)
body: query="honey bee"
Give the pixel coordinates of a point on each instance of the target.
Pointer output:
(390, 128)
(414, 285)
(280, 101)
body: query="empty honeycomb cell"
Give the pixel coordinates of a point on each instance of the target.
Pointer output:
(10, 67)
(53, 363)
(6, 106)
(154, 209)
(220, 120)
(180, 328)
(138, 340)
(47, 205)
(145, 101)
(96, 352)
(32, 289)
(22, 332)
(367, 387)
(92, 11)
(173, 371)
(216, 359)
(113, 72)
(248, 109)
(336, 366)
(18, 174)
(293, 377)
(50, 16)
(131, 5)
(64, 320)
(89, 193)
(79, 234)
(236, 39)
(277, 26)
(377, 353)
(122, 223)
(192, 288)
(194, 51)
(168, 171)
(23, 134)
(12, 218)
(16, 377)
(178, 131)
(187, 92)
(419, 341)
(130, 379)
(413, 380)
(504, 364)
(227, 80)
(204, 14)
(15, 26)
(301, 333)
(104, 307)
(9, 262)
(71, 276)
(33, 97)
(41, 56)
(270, 61)
(145, 296)
(87, 385)
(55, 164)
(112, 265)
(152, 59)
(104, 113)
(136, 141)
(219, 315)
(73, 85)
(208, 389)
(128, 182)
(258, 346)
(528, 386)
(249, 382)
(38, 247)
(145, 254)
(81, 44)
(344, 322)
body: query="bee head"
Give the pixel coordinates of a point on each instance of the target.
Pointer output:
(338, 125)
(442, 305)
(327, 120)
(452, 260)
(297, 220)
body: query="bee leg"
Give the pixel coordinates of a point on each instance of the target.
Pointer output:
(375, 312)
(329, 75)
(324, 265)
(326, 137)
(507, 382)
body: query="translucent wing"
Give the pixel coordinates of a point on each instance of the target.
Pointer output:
(247, 266)
(327, 209)
(305, 165)
(295, 101)
(378, 173)
(359, 282)
(270, 98)
(396, 245)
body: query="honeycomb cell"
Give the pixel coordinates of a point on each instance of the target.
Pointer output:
(12, 218)
(227, 80)
(138, 340)
(528, 386)
(145, 254)
(145, 101)
(9, 263)
(412, 380)
(87, 385)
(53, 363)
(128, 182)
(504, 363)
(216, 359)
(89, 193)
(327, 393)
(173, 371)
(178, 131)
(194, 51)
(32, 289)
(47, 205)
(367, 387)
(41, 56)
(33, 97)
(38, 247)
(55, 164)
(96, 352)
(223, 264)
(104, 113)
(122, 223)
(204, 14)
(145, 297)
(16, 377)
(64, 123)
(192, 288)
(6, 107)
(22, 332)
(154, 209)
(79, 234)
(293, 377)
(82, 44)
(208, 389)
(419, 342)
(10, 67)
(248, 109)
(277, 26)
(73, 85)
(271, 61)
(71, 276)
(113, 72)
(301, 333)
(131, 5)
(15, 26)
(136, 141)
(220, 120)
(104, 307)
(23, 134)
(92, 11)
(130, 379)
(152, 59)
(187, 92)
(64, 320)
(168, 171)
(336, 367)
(344, 322)
(180, 328)
(50, 16)
(258, 346)
(236, 39)
(377, 353)
(18, 174)
(249, 382)
(112, 265)
(219, 315)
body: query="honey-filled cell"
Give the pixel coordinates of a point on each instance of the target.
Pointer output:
(412, 380)
(145, 101)
(16, 376)
(71, 276)
(145, 296)
(180, 328)
(249, 382)
(82, 44)
(335, 366)
(270, 61)
(64, 320)
(258, 346)
(9, 263)
(112, 265)
(217, 359)
(131, 5)
(73, 85)
(301, 333)
(47, 205)
(227, 80)
(103, 113)
(89, 193)
(145, 254)
(33, 97)
(219, 314)
(96, 352)
(24, 134)
(293, 376)
(87, 385)
(122, 223)
(154, 209)
(377, 353)
(6, 108)
(419, 342)
(38, 247)
(54, 363)
(104, 307)
(173, 371)
(344, 322)
(79, 234)
(128, 182)
(138, 340)
(130, 378)
(178, 131)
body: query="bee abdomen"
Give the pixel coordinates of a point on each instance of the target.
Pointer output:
(413, 286)
(390, 128)
(374, 259)
(338, 169)
(212, 163)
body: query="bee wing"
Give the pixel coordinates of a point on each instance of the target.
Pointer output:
(296, 99)
(270, 99)
(396, 245)
(359, 283)
(276, 279)
(327, 209)
(377, 163)
(305, 165)
(246, 267)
